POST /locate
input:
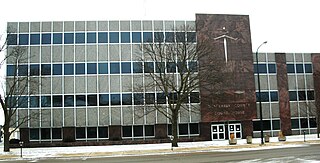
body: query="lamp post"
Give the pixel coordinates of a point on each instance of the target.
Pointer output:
(260, 107)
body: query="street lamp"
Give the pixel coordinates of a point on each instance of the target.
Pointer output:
(260, 106)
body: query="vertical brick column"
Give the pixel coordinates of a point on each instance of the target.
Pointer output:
(161, 131)
(247, 128)
(284, 104)
(316, 81)
(69, 134)
(205, 130)
(115, 132)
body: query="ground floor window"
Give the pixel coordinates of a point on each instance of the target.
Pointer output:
(45, 133)
(92, 132)
(267, 125)
(138, 131)
(185, 129)
(303, 123)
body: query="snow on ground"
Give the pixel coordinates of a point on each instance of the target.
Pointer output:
(118, 149)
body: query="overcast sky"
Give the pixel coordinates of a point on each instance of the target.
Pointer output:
(287, 25)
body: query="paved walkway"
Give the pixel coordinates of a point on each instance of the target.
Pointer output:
(153, 149)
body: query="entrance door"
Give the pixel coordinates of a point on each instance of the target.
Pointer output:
(218, 132)
(235, 129)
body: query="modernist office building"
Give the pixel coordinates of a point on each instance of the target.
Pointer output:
(88, 71)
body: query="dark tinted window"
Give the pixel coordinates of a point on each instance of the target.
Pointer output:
(115, 99)
(23, 39)
(92, 100)
(23, 101)
(45, 69)
(80, 38)
(80, 68)
(80, 100)
(171, 67)
(149, 130)
(92, 132)
(169, 37)
(148, 67)
(91, 37)
(68, 69)
(46, 38)
(302, 95)
(310, 95)
(34, 39)
(262, 68)
(161, 98)
(114, 68)
(274, 96)
(293, 95)
(103, 99)
(103, 68)
(125, 37)
(294, 123)
(114, 37)
(103, 132)
(138, 98)
(193, 66)
(68, 38)
(308, 68)
(34, 101)
(158, 36)
(150, 98)
(191, 37)
(103, 37)
(147, 37)
(160, 67)
(127, 131)
(11, 70)
(91, 68)
(290, 68)
(57, 38)
(125, 67)
(194, 97)
(23, 70)
(272, 68)
(34, 134)
(57, 69)
(183, 129)
(137, 131)
(57, 100)
(137, 67)
(12, 39)
(127, 99)
(136, 37)
(45, 101)
(80, 132)
(56, 133)
(194, 128)
(181, 36)
(34, 70)
(45, 133)
(68, 100)
(264, 96)
(299, 68)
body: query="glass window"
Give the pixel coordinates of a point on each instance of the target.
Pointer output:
(125, 67)
(23, 101)
(80, 38)
(45, 133)
(290, 68)
(173, 97)
(294, 123)
(299, 68)
(103, 132)
(12, 39)
(103, 37)
(34, 70)
(194, 97)
(91, 37)
(103, 99)
(183, 129)
(68, 38)
(127, 99)
(92, 132)
(304, 122)
(137, 67)
(56, 133)
(181, 37)
(57, 38)
(34, 134)
(276, 124)
(262, 68)
(182, 67)
(148, 67)
(34, 39)
(57, 69)
(191, 36)
(57, 100)
(161, 98)
(114, 68)
(264, 96)
(150, 98)
(138, 98)
(125, 37)
(92, 100)
(45, 38)
(310, 95)
(68, 69)
(115, 99)
(272, 68)
(171, 67)
(313, 122)
(293, 95)
(302, 95)
(23, 39)
(80, 100)
(137, 131)
(91, 68)
(114, 37)
(136, 37)
(45, 69)
(103, 68)
(68, 100)
(158, 37)
(11, 70)
(80, 68)
(45, 101)
(160, 67)
(308, 68)
(149, 130)
(194, 128)
(23, 70)
(147, 37)
(193, 66)
(169, 129)
(127, 131)
(169, 37)
(267, 125)
(80, 132)
(274, 96)
(34, 101)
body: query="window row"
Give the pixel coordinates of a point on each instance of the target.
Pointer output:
(185, 129)
(101, 68)
(45, 133)
(301, 95)
(265, 68)
(92, 132)
(138, 131)
(100, 37)
(299, 68)
(266, 125)
(303, 123)
(267, 96)
(98, 100)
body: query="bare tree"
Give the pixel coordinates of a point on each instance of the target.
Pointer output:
(16, 90)
(175, 74)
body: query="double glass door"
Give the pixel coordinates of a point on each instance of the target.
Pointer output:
(218, 132)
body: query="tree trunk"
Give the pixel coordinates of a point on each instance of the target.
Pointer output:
(6, 138)
(318, 127)
(175, 129)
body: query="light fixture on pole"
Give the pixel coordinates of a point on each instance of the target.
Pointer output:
(260, 106)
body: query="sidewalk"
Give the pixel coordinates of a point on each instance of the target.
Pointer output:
(153, 149)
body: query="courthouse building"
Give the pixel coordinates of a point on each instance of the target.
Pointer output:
(88, 71)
